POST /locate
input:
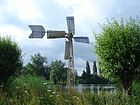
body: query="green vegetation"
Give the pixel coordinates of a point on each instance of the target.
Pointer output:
(94, 68)
(55, 72)
(31, 90)
(88, 78)
(58, 72)
(88, 72)
(118, 49)
(10, 59)
(37, 67)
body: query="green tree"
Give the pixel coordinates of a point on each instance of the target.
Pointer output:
(76, 77)
(118, 49)
(84, 77)
(94, 68)
(57, 71)
(38, 66)
(10, 58)
(28, 69)
(88, 72)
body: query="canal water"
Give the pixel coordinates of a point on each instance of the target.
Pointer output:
(96, 87)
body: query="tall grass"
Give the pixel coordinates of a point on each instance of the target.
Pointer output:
(30, 90)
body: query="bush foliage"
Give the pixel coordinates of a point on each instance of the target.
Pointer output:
(118, 49)
(10, 58)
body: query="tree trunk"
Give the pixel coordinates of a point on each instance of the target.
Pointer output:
(127, 87)
(127, 82)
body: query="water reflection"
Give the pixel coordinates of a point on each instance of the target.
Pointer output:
(95, 88)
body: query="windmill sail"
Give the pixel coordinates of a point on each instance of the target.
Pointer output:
(55, 34)
(82, 39)
(70, 24)
(38, 31)
(67, 50)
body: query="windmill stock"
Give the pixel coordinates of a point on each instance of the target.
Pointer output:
(38, 31)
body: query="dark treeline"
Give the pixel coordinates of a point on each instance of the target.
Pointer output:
(56, 72)
(94, 78)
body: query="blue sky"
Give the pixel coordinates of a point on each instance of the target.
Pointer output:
(16, 15)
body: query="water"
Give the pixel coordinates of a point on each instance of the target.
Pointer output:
(95, 87)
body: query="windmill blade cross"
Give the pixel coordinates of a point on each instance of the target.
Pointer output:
(81, 39)
(38, 31)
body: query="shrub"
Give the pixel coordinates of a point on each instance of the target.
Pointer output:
(10, 59)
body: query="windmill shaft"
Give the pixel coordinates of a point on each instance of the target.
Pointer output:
(71, 72)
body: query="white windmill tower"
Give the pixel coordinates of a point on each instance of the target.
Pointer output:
(38, 32)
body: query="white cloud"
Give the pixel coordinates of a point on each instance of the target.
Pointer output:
(25, 9)
(12, 31)
(68, 3)
(83, 9)
(80, 65)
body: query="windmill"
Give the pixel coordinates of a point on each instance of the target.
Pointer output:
(38, 32)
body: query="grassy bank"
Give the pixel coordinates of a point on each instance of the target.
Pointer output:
(31, 90)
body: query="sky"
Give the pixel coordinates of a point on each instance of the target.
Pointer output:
(16, 15)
